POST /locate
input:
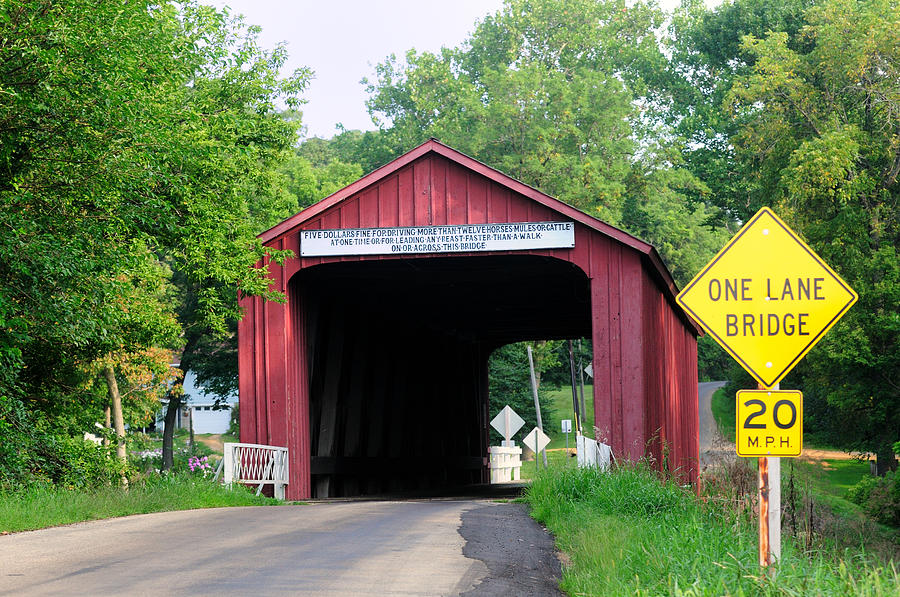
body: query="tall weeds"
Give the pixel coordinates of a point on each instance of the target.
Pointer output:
(629, 533)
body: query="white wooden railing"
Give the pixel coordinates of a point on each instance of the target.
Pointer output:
(255, 464)
(506, 463)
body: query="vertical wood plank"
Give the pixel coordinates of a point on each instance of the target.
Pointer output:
(600, 337)
(247, 374)
(477, 203)
(406, 197)
(261, 341)
(332, 219)
(350, 213)
(276, 365)
(297, 414)
(633, 399)
(498, 204)
(457, 195)
(368, 208)
(422, 215)
(615, 346)
(580, 255)
(388, 202)
(518, 208)
(439, 190)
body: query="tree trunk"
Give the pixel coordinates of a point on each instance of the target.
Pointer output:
(107, 424)
(885, 461)
(539, 361)
(169, 432)
(115, 400)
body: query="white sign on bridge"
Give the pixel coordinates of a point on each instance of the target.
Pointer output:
(437, 239)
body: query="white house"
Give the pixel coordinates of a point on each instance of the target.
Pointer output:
(200, 409)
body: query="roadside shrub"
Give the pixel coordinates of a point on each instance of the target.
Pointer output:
(879, 498)
(234, 423)
(34, 455)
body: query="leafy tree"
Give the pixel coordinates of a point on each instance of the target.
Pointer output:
(131, 136)
(369, 149)
(819, 127)
(309, 184)
(706, 55)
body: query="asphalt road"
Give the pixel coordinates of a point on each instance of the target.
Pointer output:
(426, 547)
(712, 444)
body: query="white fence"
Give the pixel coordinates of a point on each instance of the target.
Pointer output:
(592, 453)
(506, 463)
(255, 464)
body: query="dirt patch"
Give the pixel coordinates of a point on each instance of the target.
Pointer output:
(213, 441)
(820, 457)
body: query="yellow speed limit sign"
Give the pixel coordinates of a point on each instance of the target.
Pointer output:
(769, 423)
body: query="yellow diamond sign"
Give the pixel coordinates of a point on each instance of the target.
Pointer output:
(767, 298)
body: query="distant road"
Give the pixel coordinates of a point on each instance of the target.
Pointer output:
(712, 444)
(427, 547)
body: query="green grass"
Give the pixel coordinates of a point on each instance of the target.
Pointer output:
(556, 459)
(827, 481)
(841, 475)
(561, 402)
(42, 508)
(626, 533)
(723, 409)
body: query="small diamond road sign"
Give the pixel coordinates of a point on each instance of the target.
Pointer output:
(767, 298)
(536, 440)
(507, 422)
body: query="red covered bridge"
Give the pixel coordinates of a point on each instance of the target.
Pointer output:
(374, 372)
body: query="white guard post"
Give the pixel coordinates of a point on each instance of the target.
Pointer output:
(506, 464)
(255, 464)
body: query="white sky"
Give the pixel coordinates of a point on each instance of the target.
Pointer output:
(343, 40)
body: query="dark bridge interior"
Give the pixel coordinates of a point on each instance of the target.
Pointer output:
(398, 352)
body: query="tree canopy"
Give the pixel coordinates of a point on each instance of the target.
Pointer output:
(132, 135)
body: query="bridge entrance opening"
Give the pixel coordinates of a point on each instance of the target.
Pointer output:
(398, 361)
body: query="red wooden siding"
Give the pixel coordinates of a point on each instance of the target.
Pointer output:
(320, 355)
